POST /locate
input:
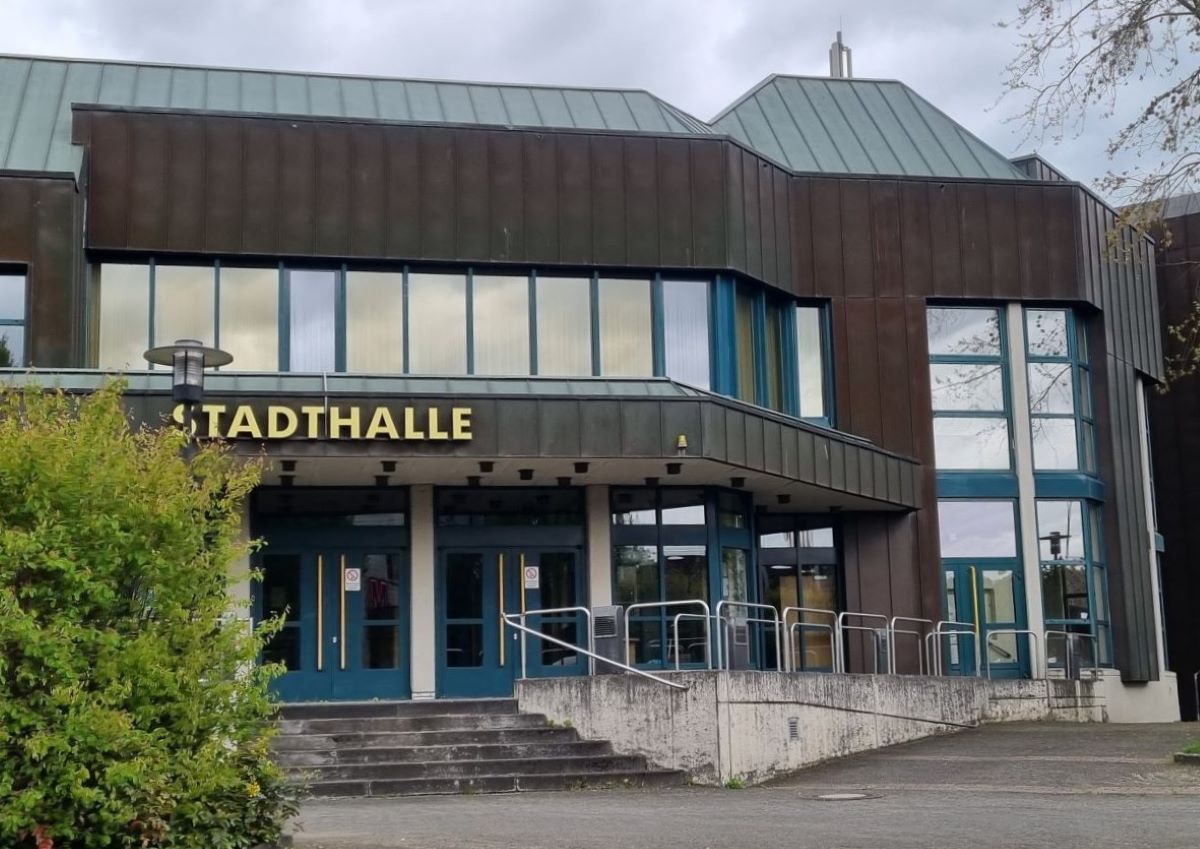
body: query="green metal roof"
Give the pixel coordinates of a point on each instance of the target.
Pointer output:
(36, 96)
(804, 123)
(857, 126)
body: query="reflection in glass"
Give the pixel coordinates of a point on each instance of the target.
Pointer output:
(381, 647)
(500, 322)
(685, 331)
(374, 322)
(970, 443)
(816, 538)
(626, 337)
(1046, 333)
(961, 386)
(971, 331)
(1060, 530)
(280, 593)
(810, 351)
(464, 645)
(556, 655)
(311, 319)
(12, 346)
(686, 568)
(464, 585)
(818, 589)
(183, 303)
(977, 528)
(637, 573)
(12, 296)
(731, 511)
(437, 324)
(783, 539)
(744, 318)
(1064, 590)
(634, 507)
(557, 579)
(381, 586)
(1054, 445)
(564, 326)
(774, 344)
(733, 575)
(250, 317)
(1050, 388)
(683, 506)
(124, 292)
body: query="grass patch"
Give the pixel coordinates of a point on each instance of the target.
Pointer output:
(735, 784)
(1192, 748)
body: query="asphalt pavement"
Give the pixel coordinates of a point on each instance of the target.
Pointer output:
(1005, 786)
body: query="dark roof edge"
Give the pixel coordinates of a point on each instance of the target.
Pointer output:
(25, 173)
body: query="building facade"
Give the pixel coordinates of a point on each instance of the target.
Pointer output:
(514, 348)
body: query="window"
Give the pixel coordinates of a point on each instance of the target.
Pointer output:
(626, 334)
(374, 322)
(183, 304)
(437, 326)
(124, 315)
(312, 299)
(967, 385)
(12, 321)
(977, 528)
(798, 567)
(686, 344)
(1060, 411)
(774, 359)
(500, 321)
(1074, 580)
(810, 362)
(564, 327)
(747, 342)
(248, 323)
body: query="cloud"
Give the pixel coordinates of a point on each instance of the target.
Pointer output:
(698, 54)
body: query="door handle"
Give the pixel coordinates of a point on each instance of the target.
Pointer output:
(320, 612)
(500, 564)
(342, 617)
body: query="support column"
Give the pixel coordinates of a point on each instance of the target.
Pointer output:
(1151, 525)
(1035, 617)
(599, 555)
(422, 619)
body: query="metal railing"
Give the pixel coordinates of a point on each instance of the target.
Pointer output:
(707, 640)
(1068, 638)
(842, 628)
(800, 624)
(774, 621)
(663, 605)
(509, 620)
(951, 628)
(922, 662)
(546, 611)
(1033, 645)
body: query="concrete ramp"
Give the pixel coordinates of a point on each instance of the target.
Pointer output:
(755, 726)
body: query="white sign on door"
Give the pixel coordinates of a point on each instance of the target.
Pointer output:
(532, 578)
(353, 580)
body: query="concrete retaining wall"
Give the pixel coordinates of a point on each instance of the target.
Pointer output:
(738, 724)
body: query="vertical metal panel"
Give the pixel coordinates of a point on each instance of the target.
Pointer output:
(109, 179)
(768, 243)
(332, 237)
(856, 238)
(715, 444)
(438, 192)
(916, 257)
(505, 186)
(1059, 240)
(541, 164)
(260, 177)
(471, 198)
(862, 386)
(223, 187)
(801, 237)
(678, 417)
(886, 239)
(674, 203)
(709, 205)
(1030, 224)
(403, 174)
(297, 188)
(751, 215)
(735, 436)
(1003, 242)
(518, 428)
(575, 223)
(640, 428)
(147, 202)
(755, 450)
(826, 207)
(608, 200)
(559, 426)
(947, 248)
(783, 274)
(896, 371)
(772, 439)
(640, 217)
(976, 248)
(602, 435)
(837, 465)
(368, 192)
(735, 204)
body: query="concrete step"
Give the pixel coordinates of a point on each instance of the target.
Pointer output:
(429, 754)
(443, 722)
(351, 710)
(397, 739)
(589, 765)
(497, 784)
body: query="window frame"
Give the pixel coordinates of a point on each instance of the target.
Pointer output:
(1099, 621)
(22, 322)
(1078, 365)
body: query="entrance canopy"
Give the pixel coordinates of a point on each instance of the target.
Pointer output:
(365, 430)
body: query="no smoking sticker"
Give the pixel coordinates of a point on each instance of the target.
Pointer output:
(353, 580)
(532, 577)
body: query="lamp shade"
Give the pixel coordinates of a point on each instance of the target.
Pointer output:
(188, 358)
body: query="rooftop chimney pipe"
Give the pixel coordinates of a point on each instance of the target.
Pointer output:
(840, 65)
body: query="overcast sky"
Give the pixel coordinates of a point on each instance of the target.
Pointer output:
(698, 54)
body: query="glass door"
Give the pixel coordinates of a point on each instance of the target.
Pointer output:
(988, 596)
(345, 631)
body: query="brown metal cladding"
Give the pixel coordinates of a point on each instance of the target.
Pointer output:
(876, 248)
(40, 225)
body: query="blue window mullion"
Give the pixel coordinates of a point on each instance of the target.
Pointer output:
(217, 304)
(724, 314)
(150, 318)
(339, 320)
(594, 306)
(658, 326)
(533, 325)
(789, 368)
(285, 324)
(470, 321)
(406, 331)
(762, 392)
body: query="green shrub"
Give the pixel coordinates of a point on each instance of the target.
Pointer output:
(132, 713)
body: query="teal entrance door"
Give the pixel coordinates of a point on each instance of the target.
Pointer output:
(345, 633)
(989, 596)
(478, 655)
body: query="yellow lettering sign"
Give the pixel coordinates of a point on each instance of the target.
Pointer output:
(382, 424)
(339, 420)
(435, 432)
(410, 425)
(282, 422)
(316, 422)
(460, 424)
(313, 415)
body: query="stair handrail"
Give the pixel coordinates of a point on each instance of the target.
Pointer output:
(723, 622)
(832, 614)
(920, 635)
(508, 618)
(1016, 632)
(547, 611)
(662, 606)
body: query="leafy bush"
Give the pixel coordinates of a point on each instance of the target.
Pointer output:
(132, 712)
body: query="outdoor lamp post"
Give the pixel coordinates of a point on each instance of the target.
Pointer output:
(188, 358)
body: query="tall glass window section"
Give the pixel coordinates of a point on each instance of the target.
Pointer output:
(687, 347)
(437, 340)
(564, 327)
(248, 319)
(1060, 402)
(12, 320)
(374, 322)
(312, 297)
(500, 324)
(1074, 580)
(968, 385)
(626, 330)
(811, 366)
